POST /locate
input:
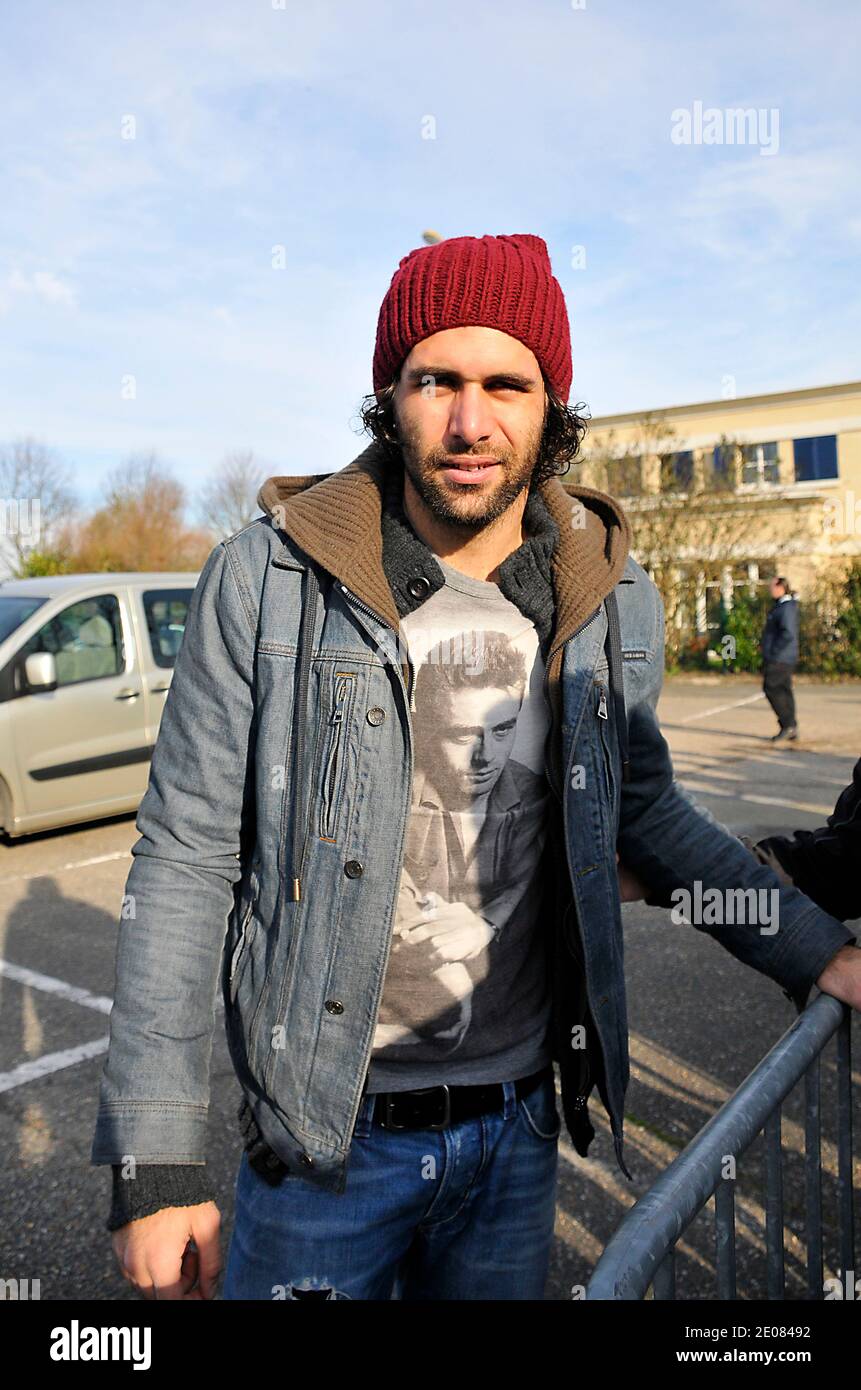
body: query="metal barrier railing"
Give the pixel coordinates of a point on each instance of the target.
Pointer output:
(642, 1250)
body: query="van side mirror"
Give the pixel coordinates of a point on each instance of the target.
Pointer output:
(40, 671)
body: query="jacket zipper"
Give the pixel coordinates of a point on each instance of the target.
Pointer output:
(603, 714)
(558, 788)
(580, 1099)
(330, 776)
(407, 680)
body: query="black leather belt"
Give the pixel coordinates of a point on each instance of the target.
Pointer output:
(437, 1107)
(433, 1107)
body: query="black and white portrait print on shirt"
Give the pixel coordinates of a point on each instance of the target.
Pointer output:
(466, 980)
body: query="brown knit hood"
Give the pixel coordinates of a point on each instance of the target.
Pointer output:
(336, 521)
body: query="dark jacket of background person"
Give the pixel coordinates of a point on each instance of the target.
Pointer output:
(824, 863)
(780, 634)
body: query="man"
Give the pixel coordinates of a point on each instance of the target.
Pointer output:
(281, 808)
(823, 863)
(780, 657)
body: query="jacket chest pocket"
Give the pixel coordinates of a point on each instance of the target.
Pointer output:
(335, 751)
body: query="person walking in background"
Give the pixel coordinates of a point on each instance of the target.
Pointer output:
(780, 658)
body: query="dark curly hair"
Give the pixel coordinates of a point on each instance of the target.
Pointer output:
(564, 430)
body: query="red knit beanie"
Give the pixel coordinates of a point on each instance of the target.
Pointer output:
(502, 282)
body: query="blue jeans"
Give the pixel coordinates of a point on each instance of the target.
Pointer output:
(465, 1212)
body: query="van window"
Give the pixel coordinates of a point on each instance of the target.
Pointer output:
(86, 639)
(14, 611)
(166, 611)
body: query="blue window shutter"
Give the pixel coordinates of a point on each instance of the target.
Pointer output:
(683, 467)
(815, 458)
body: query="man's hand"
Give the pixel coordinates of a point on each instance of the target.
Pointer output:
(456, 931)
(157, 1257)
(767, 857)
(842, 976)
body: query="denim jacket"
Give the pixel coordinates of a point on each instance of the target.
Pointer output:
(273, 827)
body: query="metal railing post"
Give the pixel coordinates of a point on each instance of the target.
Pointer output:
(642, 1250)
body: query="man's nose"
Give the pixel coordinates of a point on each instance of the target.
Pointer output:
(471, 418)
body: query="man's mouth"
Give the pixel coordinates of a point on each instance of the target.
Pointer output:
(469, 470)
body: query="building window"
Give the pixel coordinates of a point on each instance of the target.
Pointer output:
(677, 471)
(722, 462)
(718, 589)
(815, 458)
(760, 466)
(624, 476)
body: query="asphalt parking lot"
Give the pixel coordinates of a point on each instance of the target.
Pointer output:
(699, 1022)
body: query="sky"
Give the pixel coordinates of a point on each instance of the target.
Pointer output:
(204, 204)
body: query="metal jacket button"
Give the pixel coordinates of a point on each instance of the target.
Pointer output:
(306, 1160)
(376, 715)
(353, 869)
(419, 586)
(334, 1006)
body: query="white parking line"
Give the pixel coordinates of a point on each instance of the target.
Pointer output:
(794, 761)
(61, 868)
(721, 709)
(782, 759)
(70, 1056)
(794, 805)
(707, 770)
(757, 800)
(52, 1061)
(49, 985)
(687, 765)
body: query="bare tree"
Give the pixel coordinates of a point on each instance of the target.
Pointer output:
(689, 522)
(37, 502)
(228, 501)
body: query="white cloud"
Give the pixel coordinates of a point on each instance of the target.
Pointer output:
(760, 209)
(43, 284)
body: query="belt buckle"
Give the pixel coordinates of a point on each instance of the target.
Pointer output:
(441, 1124)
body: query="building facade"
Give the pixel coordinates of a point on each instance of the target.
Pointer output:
(731, 492)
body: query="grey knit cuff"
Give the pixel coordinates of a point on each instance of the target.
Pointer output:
(154, 1186)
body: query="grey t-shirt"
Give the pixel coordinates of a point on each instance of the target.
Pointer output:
(466, 995)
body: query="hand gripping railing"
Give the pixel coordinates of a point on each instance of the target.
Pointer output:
(642, 1250)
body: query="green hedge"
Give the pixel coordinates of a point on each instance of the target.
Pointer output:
(829, 632)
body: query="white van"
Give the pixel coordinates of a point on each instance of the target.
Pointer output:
(85, 663)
